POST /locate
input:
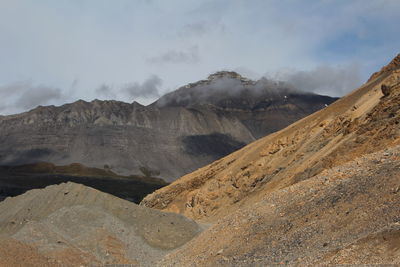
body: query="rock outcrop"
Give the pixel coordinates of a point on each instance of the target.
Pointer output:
(385, 90)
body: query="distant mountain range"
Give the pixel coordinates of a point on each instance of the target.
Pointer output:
(182, 131)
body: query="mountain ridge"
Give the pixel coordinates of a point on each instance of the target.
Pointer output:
(131, 137)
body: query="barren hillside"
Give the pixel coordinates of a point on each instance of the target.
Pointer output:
(349, 214)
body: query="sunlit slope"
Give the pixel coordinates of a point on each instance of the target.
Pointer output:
(345, 215)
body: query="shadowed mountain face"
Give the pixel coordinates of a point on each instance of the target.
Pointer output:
(182, 131)
(15, 180)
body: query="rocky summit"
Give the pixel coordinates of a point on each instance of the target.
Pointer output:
(182, 131)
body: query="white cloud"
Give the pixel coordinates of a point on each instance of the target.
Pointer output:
(148, 89)
(324, 79)
(24, 95)
(132, 91)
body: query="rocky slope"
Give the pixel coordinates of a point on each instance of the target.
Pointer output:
(360, 123)
(72, 225)
(177, 134)
(349, 214)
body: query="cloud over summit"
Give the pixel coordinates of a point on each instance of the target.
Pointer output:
(149, 88)
(324, 79)
(133, 91)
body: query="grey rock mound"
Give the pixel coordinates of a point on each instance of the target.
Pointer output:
(99, 228)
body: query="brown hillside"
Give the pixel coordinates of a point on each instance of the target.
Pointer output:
(349, 214)
(360, 123)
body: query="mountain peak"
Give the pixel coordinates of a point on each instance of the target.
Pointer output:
(230, 75)
(226, 89)
(395, 62)
(216, 76)
(224, 74)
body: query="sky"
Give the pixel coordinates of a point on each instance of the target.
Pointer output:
(53, 52)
